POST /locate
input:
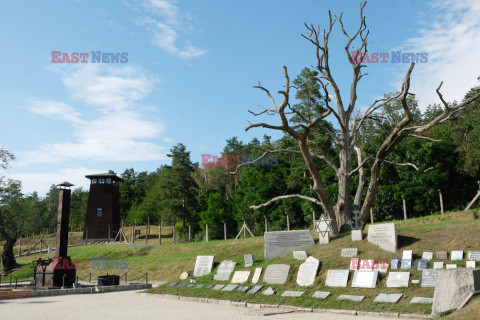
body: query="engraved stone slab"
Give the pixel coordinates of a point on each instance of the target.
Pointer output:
(307, 272)
(407, 254)
(388, 298)
(429, 278)
(276, 274)
(357, 235)
(190, 285)
(456, 255)
(351, 297)
(324, 239)
(224, 270)
(249, 260)
(406, 264)
(364, 279)
(349, 252)
(381, 266)
(203, 266)
(198, 286)
(421, 264)
(337, 278)
(218, 287)
(473, 255)
(229, 287)
(256, 275)
(427, 255)
(181, 284)
(398, 279)
(321, 294)
(240, 276)
(451, 266)
(394, 264)
(421, 300)
(292, 293)
(471, 264)
(278, 243)
(268, 292)
(354, 263)
(438, 265)
(255, 289)
(172, 284)
(243, 288)
(442, 255)
(300, 255)
(383, 235)
(209, 286)
(366, 264)
(415, 281)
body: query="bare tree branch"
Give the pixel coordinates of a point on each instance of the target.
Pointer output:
(408, 164)
(286, 197)
(423, 137)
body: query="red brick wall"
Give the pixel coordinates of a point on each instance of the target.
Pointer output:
(14, 294)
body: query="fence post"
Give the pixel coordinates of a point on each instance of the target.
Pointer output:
(313, 219)
(41, 243)
(441, 200)
(404, 208)
(20, 246)
(206, 232)
(160, 233)
(224, 230)
(288, 222)
(189, 233)
(147, 234)
(371, 214)
(244, 229)
(109, 233)
(173, 233)
(266, 223)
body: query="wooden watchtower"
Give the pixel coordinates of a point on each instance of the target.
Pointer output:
(102, 220)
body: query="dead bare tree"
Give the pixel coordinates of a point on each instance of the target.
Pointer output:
(349, 127)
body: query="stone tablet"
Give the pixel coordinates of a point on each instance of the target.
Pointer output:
(229, 287)
(307, 272)
(407, 254)
(473, 255)
(240, 276)
(349, 252)
(255, 289)
(357, 235)
(321, 294)
(453, 288)
(406, 264)
(209, 286)
(398, 279)
(181, 284)
(429, 278)
(471, 264)
(388, 298)
(394, 264)
(427, 255)
(438, 265)
(354, 263)
(243, 288)
(442, 255)
(415, 281)
(451, 266)
(191, 285)
(324, 239)
(421, 300)
(337, 278)
(224, 270)
(278, 243)
(203, 266)
(366, 264)
(276, 274)
(456, 255)
(249, 260)
(198, 286)
(268, 292)
(351, 297)
(218, 287)
(364, 279)
(384, 236)
(256, 275)
(421, 264)
(299, 255)
(172, 284)
(292, 293)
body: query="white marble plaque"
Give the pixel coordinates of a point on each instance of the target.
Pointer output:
(278, 243)
(349, 252)
(456, 255)
(407, 254)
(383, 235)
(388, 298)
(451, 266)
(337, 278)
(438, 265)
(203, 265)
(292, 293)
(427, 255)
(307, 272)
(321, 294)
(276, 274)
(240, 276)
(364, 279)
(300, 255)
(256, 275)
(471, 264)
(398, 279)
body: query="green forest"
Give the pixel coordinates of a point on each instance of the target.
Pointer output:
(186, 192)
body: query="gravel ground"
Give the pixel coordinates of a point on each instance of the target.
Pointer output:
(133, 305)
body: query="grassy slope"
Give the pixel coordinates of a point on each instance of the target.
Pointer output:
(453, 231)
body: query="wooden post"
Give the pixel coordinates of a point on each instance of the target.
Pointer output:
(134, 229)
(173, 232)
(475, 198)
(86, 235)
(224, 230)
(147, 234)
(371, 214)
(109, 233)
(206, 232)
(20, 246)
(441, 200)
(244, 229)
(404, 208)
(288, 222)
(160, 233)
(189, 233)
(313, 217)
(41, 243)
(266, 223)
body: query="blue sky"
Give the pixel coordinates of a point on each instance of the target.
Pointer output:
(190, 71)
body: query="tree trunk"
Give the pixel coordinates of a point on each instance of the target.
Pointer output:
(8, 258)
(343, 208)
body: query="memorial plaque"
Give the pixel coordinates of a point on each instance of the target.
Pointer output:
(268, 292)
(337, 278)
(456, 255)
(256, 275)
(218, 287)
(321, 294)
(388, 298)
(442, 255)
(357, 235)
(384, 236)
(278, 243)
(255, 289)
(364, 279)
(307, 272)
(473, 255)
(292, 293)
(181, 284)
(406, 264)
(354, 263)
(199, 286)
(382, 267)
(351, 297)
(243, 288)
(190, 285)
(421, 300)
(398, 279)
(240, 276)
(249, 260)
(172, 284)
(366, 264)
(471, 264)
(300, 255)
(209, 286)
(203, 266)
(421, 264)
(451, 266)
(415, 281)
(276, 274)
(438, 265)
(407, 254)
(224, 270)
(429, 278)
(427, 255)
(229, 287)
(394, 264)
(349, 252)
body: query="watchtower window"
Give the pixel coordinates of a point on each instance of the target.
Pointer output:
(109, 180)
(99, 212)
(94, 181)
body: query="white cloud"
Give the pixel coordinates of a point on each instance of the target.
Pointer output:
(451, 36)
(53, 109)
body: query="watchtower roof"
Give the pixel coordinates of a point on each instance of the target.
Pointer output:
(104, 175)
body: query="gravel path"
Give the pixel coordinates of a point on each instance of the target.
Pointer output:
(137, 306)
